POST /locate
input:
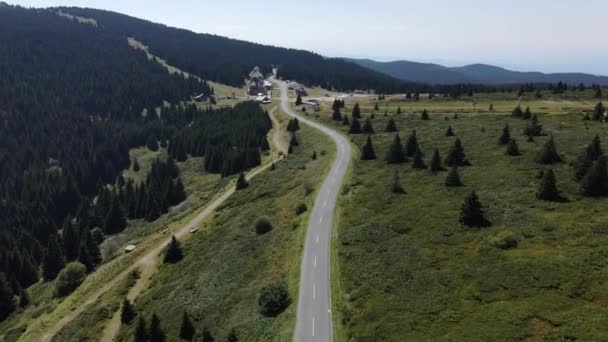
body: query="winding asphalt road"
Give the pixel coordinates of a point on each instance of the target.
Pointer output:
(313, 321)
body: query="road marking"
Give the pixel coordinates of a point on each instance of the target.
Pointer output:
(313, 326)
(317, 237)
(314, 290)
(315, 261)
(325, 204)
(321, 219)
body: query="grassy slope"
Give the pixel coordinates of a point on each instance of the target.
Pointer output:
(227, 264)
(408, 271)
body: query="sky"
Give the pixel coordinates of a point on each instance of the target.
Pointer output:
(524, 35)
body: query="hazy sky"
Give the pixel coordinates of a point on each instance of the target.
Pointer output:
(543, 35)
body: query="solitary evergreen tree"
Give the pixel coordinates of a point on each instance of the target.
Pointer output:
(527, 114)
(471, 212)
(127, 314)
(583, 163)
(595, 182)
(436, 162)
(7, 301)
(396, 155)
(548, 154)
(232, 337)
(424, 115)
(391, 126)
(418, 163)
(505, 137)
(548, 189)
(453, 178)
(174, 253)
(355, 127)
(598, 112)
(53, 261)
(336, 115)
(456, 156)
(241, 182)
(314, 155)
(356, 112)
(512, 148)
(141, 332)
(368, 152)
(398, 110)
(367, 127)
(156, 330)
(376, 107)
(596, 148)
(411, 146)
(396, 186)
(449, 132)
(345, 120)
(298, 100)
(517, 112)
(598, 93)
(186, 331)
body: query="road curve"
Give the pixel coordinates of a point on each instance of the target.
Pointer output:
(314, 319)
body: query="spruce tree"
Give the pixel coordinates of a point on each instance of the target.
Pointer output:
(24, 298)
(355, 127)
(424, 115)
(548, 188)
(156, 330)
(232, 336)
(186, 330)
(595, 182)
(471, 212)
(368, 152)
(336, 115)
(598, 93)
(298, 100)
(517, 112)
(396, 155)
(505, 137)
(7, 300)
(449, 132)
(418, 163)
(71, 240)
(411, 146)
(367, 127)
(527, 114)
(115, 221)
(314, 155)
(583, 163)
(396, 186)
(391, 126)
(376, 107)
(512, 148)
(345, 120)
(207, 336)
(141, 332)
(53, 261)
(241, 182)
(398, 110)
(456, 156)
(453, 178)
(127, 314)
(548, 154)
(173, 253)
(436, 162)
(598, 112)
(356, 112)
(595, 148)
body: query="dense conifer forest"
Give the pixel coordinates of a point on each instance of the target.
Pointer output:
(74, 99)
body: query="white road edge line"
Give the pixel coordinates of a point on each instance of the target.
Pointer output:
(317, 237)
(313, 326)
(321, 219)
(314, 291)
(315, 261)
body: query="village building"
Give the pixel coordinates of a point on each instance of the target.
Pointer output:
(200, 98)
(257, 82)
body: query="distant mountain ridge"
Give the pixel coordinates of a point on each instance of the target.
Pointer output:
(475, 73)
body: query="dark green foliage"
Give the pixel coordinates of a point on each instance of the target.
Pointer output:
(548, 154)
(533, 128)
(505, 137)
(207, 336)
(345, 120)
(274, 299)
(595, 182)
(396, 155)
(241, 182)
(449, 132)
(136, 166)
(71, 240)
(314, 155)
(396, 186)
(411, 146)
(24, 299)
(301, 209)
(356, 114)
(336, 113)
(127, 313)
(517, 112)
(232, 336)
(598, 112)
(368, 152)
(399, 110)
(471, 212)
(376, 107)
(263, 226)
(152, 143)
(89, 254)
(69, 278)
(293, 125)
(355, 127)
(156, 330)
(7, 301)
(298, 100)
(583, 163)
(548, 188)
(595, 148)
(512, 148)
(115, 221)
(293, 142)
(53, 261)
(367, 127)
(141, 331)
(186, 330)
(436, 165)
(456, 156)
(453, 178)
(527, 114)
(391, 126)
(424, 115)
(418, 163)
(173, 252)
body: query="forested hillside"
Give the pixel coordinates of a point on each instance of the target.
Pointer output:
(74, 99)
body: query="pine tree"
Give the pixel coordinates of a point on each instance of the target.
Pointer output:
(127, 314)
(241, 182)
(456, 156)
(411, 146)
(595, 182)
(53, 261)
(595, 148)
(356, 112)
(376, 107)
(368, 152)
(548, 154)
(367, 127)
(396, 186)
(418, 163)
(453, 178)
(512, 148)
(232, 337)
(471, 212)
(345, 121)
(449, 132)
(298, 100)
(355, 127)
(115, 221)
(598, 93)
(583, 163)
(314, 155)
(156, 330)
(436, 162)
(527, 114)
(391, 126)
(136, 166)
(7, 301)
(396, 155)
(517, 112)
(186, 331)
(174, 253)
(71, 240)
(398, 110)
(424, 115)
(598, 112)
(207, 336)
(505, 137)
(24, 299)
(548, 189)
(336, 115)
(141, 332)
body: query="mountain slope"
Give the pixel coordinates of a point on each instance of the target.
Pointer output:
(474, 73)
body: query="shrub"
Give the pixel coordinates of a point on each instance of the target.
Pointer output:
(263, 226)
(301, 209)
(504, 240)
(69, 278)
(274, 299)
